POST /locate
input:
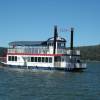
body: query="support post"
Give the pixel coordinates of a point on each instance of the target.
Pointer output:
(71, 40)
(55, 39)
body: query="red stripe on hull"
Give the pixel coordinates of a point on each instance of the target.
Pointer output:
(35, 54)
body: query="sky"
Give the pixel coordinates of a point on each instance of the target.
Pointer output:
(34, 20)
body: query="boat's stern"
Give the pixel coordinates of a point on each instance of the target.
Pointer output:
(80, 65)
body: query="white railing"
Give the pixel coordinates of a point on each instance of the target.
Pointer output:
(42, 51)
(28, 50)
(75, 52)
(80, 65)
(61, 51)
(36, 50)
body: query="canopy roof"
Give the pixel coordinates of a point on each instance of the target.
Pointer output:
(35, 43)
(27, 43)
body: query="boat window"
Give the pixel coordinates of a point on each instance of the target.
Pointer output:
(9, 58)
(35, 59)
(12, 58)
(15, 58)
(63, 58)
(57, 59)
(62, 44)
(46, 59)
(59, 44)
(51, 44)
(43, 59)
(32, 59)
(50, 59)
(39, 59)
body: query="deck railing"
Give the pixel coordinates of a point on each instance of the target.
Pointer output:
(74, 52)
(28, 50)
(80, 65)
(42, 51)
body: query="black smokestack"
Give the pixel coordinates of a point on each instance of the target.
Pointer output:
(55, 38)
(71, 41)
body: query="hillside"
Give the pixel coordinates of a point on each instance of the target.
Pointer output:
(90, 52)
(87, 52)
(3, 51)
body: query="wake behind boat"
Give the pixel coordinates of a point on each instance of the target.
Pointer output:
(51, 54)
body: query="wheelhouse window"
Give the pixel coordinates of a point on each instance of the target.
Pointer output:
(59, 44)
(62, 44)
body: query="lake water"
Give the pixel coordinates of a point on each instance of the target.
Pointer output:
(50, 85)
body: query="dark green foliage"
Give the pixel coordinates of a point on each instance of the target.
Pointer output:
(3, 51)
(90, 52)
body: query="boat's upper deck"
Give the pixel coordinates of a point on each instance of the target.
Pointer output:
(42, 50)
(41, 47)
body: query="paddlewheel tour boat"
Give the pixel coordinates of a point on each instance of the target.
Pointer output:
(51, 54)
